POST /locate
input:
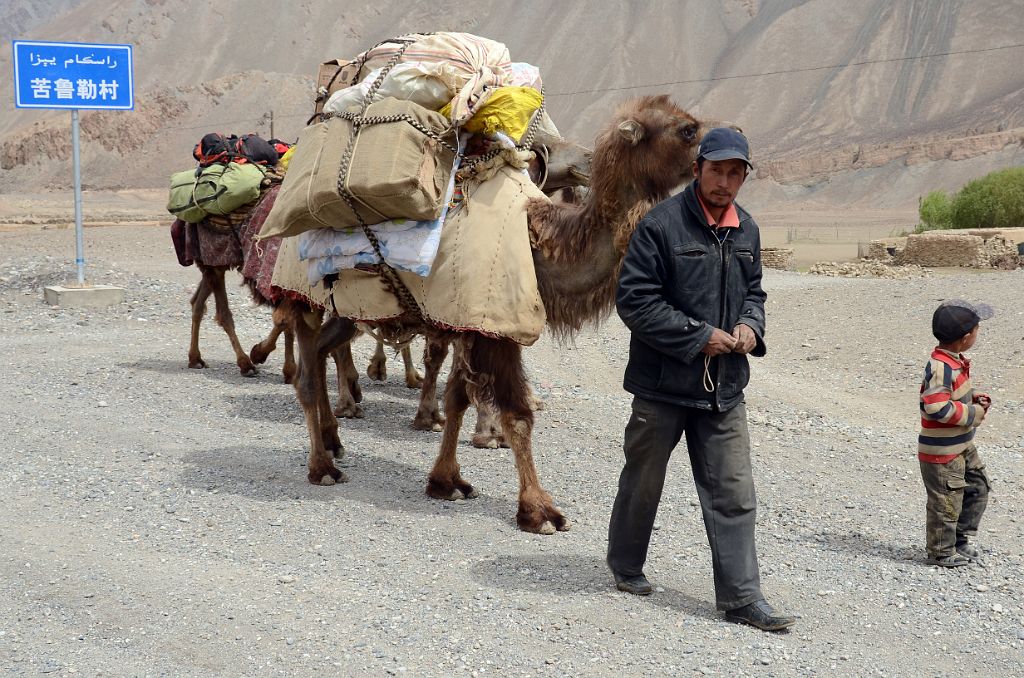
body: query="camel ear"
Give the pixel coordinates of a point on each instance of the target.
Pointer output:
(631, 131)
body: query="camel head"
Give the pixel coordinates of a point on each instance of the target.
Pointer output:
(645, 151)
(559, 164)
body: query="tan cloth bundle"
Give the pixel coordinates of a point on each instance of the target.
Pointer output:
(396, 171)
(483, 278)
(478, 66)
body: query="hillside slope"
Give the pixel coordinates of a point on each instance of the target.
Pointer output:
(227, 65)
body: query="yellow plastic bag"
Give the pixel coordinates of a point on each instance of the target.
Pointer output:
(507, 110)
(282, 164)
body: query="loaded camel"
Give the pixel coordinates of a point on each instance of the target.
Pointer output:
(559, 167)
(644, 152)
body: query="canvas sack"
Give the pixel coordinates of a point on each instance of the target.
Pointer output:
(218, 189)
(396, 171)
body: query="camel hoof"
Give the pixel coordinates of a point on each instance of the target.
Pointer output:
(487, 442)
(288, 378)
(377, 370)
(258, 357)
(546, 528)
(338, 452)
(249, 371)
(451, 492)
(196, 364)
(350, 412)
(330, 476)
(428, 422)
(416, 382)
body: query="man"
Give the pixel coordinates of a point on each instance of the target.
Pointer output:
(690, 293)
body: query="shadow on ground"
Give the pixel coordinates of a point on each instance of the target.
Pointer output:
(576, 575)
(275, 475)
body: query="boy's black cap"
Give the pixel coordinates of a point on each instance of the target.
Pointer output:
(955, 317)
(724, 143)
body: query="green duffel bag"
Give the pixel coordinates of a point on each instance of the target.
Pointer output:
(219, 189)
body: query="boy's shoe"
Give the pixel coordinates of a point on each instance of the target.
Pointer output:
(969, 551)
(955, 560)
(635, 584)
(760, 614)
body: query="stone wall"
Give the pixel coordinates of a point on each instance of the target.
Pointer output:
(933, 249)
(777, 257)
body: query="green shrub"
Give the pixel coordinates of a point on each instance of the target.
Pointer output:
(935, 212)
(994, 201)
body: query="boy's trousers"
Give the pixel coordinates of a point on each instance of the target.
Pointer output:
(957, 496)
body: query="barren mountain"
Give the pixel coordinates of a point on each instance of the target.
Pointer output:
(873, 102)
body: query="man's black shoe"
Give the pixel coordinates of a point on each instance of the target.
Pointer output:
(761, 615)
(635, 584)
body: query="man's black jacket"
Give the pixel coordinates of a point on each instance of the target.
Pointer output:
(677, 284)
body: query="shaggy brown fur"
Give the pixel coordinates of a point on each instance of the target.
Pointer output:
(645, 152)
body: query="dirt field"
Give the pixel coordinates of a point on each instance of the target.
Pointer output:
(156, 520)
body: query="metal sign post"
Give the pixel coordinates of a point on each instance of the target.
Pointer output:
(79, 234)
(75, 76)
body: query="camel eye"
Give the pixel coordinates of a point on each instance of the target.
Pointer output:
(689, 132)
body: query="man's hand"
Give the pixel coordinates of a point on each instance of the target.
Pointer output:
(719, 343)
(745, 338)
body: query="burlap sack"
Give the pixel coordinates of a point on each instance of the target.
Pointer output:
(482, 279)
(396, 171)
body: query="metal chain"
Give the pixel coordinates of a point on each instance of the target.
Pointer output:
(389, 275)
(360, 121)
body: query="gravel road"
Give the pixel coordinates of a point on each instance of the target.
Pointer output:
(156, 520)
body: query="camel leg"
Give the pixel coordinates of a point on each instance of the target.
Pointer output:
(314, 342)
(488, 433)
(502, 359)
(227, 321)
(428, 416)
(198, 302)
(259, 352)
(377, 370)
(290, 368)
(413, 378)
(445, 481)
(349, 393)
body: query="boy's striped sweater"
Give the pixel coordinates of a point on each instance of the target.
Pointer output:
(949, 414)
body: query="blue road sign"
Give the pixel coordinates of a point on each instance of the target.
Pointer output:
(72, 75)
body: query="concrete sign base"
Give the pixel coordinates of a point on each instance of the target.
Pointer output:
(93, 296)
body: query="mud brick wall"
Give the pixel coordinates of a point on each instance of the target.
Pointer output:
(930, 249)
(1000, 252)
(877, 251)
(777, 257)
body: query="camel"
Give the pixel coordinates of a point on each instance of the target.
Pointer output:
(559, 167)
(645, 151)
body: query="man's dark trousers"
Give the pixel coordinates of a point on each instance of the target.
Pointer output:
(719, 447)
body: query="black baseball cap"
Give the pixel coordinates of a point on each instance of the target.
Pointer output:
(955, 317)
(724, 143)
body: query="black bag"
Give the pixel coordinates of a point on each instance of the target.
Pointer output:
(215, 147)
(256, 150)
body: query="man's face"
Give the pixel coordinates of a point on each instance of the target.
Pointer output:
(720, 180)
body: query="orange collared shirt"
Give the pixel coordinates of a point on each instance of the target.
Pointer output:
(730, 218)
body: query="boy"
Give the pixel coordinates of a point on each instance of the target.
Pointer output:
(953, 473)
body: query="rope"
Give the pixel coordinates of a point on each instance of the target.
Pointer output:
(709, 383)
(388, 274)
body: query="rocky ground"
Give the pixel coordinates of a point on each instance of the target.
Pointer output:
(156, 520)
